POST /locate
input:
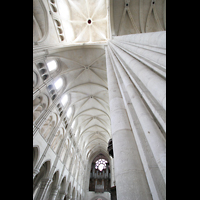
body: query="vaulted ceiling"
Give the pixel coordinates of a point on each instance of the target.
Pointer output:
(84, 21)
(85, 72)
(137, 16)
(84, 67)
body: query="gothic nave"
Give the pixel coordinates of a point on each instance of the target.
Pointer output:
(99, 99)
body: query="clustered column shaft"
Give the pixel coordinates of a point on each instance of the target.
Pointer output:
(137, 94)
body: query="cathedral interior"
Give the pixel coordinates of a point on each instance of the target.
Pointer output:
(99, 99)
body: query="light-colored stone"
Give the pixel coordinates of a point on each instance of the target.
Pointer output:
(114, 73)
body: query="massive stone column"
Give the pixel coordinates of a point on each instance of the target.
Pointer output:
(131, 182)
(45, 183)
(139, 67)
(143, 57)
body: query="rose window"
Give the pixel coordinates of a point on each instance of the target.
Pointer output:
(101, 164)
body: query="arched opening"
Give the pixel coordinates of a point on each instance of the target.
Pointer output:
(44, 170)
(69, 189)
(73, 194)
(52, 187)
(35, 155)
(63, 186)
(100, 174)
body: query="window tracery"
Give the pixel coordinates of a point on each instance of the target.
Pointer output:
(101, 164)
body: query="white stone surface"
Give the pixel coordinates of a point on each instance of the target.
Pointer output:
(133, 114)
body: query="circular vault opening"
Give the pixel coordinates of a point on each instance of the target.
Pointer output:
(89, 21)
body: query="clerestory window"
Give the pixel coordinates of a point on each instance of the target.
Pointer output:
(73, 123)
(64, 99)
(69, 112)
(58, 83)
(52, 65)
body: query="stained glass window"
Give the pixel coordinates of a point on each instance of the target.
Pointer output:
(101, 164)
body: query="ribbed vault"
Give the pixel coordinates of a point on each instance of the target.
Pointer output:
(84, 21)
(74, 33)
(87, 87)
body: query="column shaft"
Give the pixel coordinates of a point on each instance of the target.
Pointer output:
(154, 83)
(43, 189)
(131, 182)
(152, 132)
(141, 120)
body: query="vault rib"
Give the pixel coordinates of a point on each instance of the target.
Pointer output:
(82, 104)
(100, 20)
(152, 9)
(76, 22)
(77, 8)
(76, 78)
(101, 100)
(78, 101)
(79, 92)
(96, 8)
(99, 32)
(132, 21)
(91, 109)
(88, 83)
(58, 56)
(99, 68)
(122, 19)
(99, 92)
(98, 76)
(74, 69)
(88, 10)
(93, 126)
(90, 119)
(100, 103)
(104, 123)
(81, 34)
(90, 65)
(96, 139)
(90, 34)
